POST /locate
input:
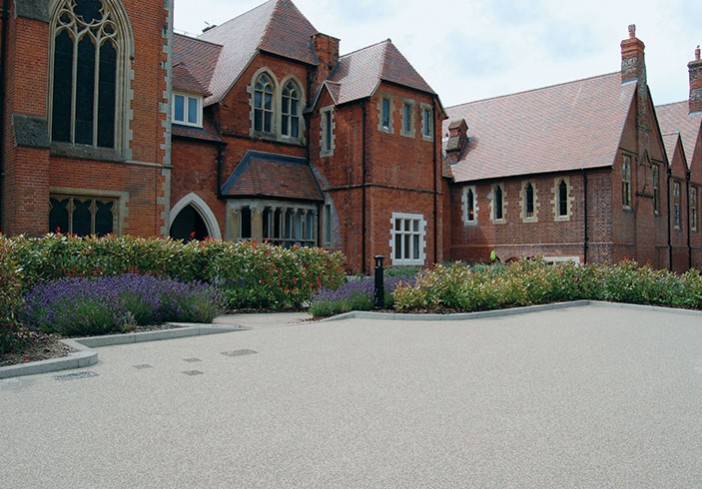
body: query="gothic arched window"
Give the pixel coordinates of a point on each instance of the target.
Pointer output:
(290, 111)
(263, 104)
(89, 45)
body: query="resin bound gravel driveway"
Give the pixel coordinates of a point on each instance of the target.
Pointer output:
(590, 396)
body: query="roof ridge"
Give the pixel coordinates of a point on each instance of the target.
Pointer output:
(366, 47)
(671, 103)
(191, 38)
(266, 31)
(532, 90)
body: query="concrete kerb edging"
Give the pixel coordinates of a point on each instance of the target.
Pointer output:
(85, 356)
(503, 312)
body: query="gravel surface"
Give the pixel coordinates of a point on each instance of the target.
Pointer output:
(589, 397)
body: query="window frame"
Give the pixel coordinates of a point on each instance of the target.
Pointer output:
(114, 26)
(470, 200)
(386, 110)
(327, 133)
(260, 108)
(427, 112)
(524, 197)
(498, 214)
(655, 177)
(559, 201)
(294, 118)
(406, 253)
(187, 97)
(71, 208)
(408, 118)
(677, 220)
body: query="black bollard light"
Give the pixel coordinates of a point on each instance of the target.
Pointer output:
(379, 285)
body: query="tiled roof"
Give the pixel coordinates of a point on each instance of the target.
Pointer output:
(267, 175)
(276, 27)
(359, 73)
(198, 57)
(185, 81)
(674, 118)
(566, 127)
(205, 133)
(670, 141)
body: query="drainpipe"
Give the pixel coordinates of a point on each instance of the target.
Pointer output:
(670, 231)
(363, 191)
(689, 222)
(3, 69)
(436, 224)
(586, 243)
(220, 163)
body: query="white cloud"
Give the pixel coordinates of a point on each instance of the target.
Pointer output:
(483, 48)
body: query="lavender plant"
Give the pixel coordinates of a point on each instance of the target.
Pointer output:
(84, 306)
(354, 295)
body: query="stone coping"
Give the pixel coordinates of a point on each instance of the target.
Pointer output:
(86, 356)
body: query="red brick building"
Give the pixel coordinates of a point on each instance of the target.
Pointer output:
(261, 129)
(577, 171)
(277, 137)
(85, 146)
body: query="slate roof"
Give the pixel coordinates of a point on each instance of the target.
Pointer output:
(670, 142)
(207, 132)
(359, 73)
(275, 27)
(565, 127)
(273, 176)
(198, 58)
(674, 118)
(185, 81)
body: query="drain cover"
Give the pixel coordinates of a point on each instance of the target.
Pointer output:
(193, 372)
(191, 360)
(143, 366)
(76, 376)
(238, 353)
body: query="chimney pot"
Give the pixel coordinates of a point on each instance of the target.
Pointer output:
(697, 54)
(632, 31)
(695, 70)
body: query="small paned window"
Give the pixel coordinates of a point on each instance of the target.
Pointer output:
(562, 199)
(81, 216)
(327, 132)
(499, 203)
(427, 122)
(470, 205)
(290, 111)
(408, 117)
(626, 181)
(263, 104)
(187, 109)
(86, 50)
(408, 239)
(656, 193)
(676, 205)
(693, 208)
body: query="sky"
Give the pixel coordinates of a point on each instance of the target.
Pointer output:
(477, 49)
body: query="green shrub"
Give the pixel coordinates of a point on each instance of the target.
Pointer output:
(11, 337)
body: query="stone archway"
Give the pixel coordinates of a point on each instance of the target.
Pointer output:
(192, 218)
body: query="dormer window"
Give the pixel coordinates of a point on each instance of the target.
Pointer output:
(187, 109)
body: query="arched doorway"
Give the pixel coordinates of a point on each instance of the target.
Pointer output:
(189, 225)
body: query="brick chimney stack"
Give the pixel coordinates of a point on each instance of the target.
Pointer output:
(633, 63)
(458, 137)
(695, 69)
(327, 50)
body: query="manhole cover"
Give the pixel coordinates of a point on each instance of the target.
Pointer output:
(76, 376)
(191, 360)
(193, 372)
(238, 353)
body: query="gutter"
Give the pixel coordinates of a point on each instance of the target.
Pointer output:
(586, 242)
(3, 69)
(363, 191)
(670, 231)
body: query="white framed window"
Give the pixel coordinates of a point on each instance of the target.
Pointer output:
(676, 205)
(693, 209)
(626, 181)
(408, 124)
(470, 206)
(427, 122)
(187, 109)
(326, 136)
(408, 239)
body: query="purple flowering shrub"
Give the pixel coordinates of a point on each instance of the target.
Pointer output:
(354, 295)
(84, 306)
